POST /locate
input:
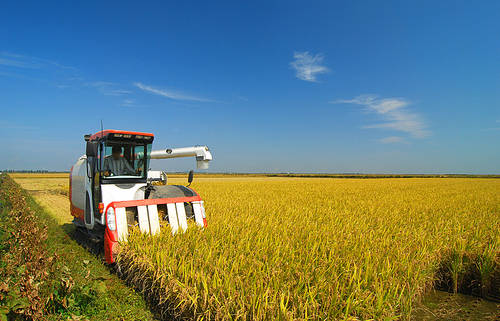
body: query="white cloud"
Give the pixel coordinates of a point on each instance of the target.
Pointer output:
(128, 103)
(108, 88)
(12, 125)
(118, 92)
(100, 83)
(393, 111)
(170, 93)
(21, 61)
(492, 128)
(392, 139)
(17, 63)
(307, 67)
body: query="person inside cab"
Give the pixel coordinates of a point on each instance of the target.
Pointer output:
(117, 165)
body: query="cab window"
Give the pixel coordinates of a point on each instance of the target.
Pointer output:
(124, 160)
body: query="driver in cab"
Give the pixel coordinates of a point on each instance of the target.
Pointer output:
(117, 165)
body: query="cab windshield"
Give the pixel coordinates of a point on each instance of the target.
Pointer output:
(124, 160)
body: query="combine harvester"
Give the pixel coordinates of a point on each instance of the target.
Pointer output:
(111, 189)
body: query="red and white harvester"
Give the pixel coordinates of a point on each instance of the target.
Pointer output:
(111, 189)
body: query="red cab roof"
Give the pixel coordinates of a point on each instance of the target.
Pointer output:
(105, 132)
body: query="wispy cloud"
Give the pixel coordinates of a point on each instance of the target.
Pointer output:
(9, 59)
(175, 95)
(393, 111)
(308, 66)
(100, 83)
(108, 88)
(493, 128)
(17, 63)
(128, 103)
(17, 75)
(13, 125)
(392, 140)
(119, 92)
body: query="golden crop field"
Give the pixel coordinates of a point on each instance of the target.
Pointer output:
(313, 248)
(321, 248)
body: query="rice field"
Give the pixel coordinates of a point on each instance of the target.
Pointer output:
(314, 248)
(50, 191)
(322, 249)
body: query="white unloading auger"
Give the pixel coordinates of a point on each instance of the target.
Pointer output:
(202, 154)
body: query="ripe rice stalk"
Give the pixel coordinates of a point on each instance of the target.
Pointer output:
(320, 248)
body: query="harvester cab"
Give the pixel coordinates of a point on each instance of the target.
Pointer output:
(112, 190)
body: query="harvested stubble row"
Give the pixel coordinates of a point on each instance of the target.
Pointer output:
(321, 249)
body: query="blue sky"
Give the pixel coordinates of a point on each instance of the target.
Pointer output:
(351, 86)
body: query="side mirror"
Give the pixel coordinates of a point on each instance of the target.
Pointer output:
(190, 177)
(91, 149)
